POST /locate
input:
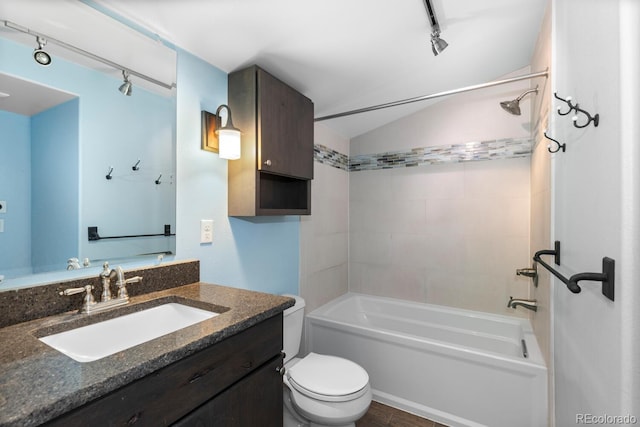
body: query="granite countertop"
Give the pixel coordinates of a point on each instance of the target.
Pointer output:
(38, 383)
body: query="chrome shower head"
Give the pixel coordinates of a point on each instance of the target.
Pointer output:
(513, 106)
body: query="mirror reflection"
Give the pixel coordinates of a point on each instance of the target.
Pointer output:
(77, 154)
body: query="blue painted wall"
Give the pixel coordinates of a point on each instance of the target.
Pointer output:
(15, 189)
(54, 186)
(114, 130)
(261, 254)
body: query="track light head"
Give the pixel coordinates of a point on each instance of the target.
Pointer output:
(126, 88)
(437, 44)
(40, 56)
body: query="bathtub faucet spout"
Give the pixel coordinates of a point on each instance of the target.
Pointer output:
(530, 304)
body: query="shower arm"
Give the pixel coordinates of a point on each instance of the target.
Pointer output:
(526, 93)
(544, 73)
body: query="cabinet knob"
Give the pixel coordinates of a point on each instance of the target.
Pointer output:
(281, 370)
(267, 162)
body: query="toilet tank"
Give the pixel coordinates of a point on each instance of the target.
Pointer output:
(292, 328)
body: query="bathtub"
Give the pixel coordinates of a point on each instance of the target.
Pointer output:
(454, 366)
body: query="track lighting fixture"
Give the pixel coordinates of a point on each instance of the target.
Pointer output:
(437, 44)
(41, 57)
(126, 88)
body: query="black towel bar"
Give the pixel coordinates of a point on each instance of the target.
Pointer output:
(93, 234)
(607, 277)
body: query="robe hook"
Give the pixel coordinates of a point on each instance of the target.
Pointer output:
(559, 146)
(575, 107)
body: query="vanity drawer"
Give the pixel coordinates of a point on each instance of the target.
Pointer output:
(167, 395)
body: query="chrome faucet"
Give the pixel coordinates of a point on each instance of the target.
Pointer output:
(105, 277)
(73, 264)
(89, 305)
(530, 304)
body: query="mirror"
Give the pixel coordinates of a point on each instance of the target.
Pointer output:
(76, 153)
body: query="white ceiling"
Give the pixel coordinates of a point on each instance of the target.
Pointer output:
(348, 54)
(28, 98)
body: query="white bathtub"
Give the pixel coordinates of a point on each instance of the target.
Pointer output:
(454, 366)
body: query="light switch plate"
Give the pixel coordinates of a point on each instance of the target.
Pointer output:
(1, 225)
(206, 231)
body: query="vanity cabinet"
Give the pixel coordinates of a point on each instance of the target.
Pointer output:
(273, 175)
(249, 402)
(235, 382)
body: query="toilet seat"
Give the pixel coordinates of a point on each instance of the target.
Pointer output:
(328, 378)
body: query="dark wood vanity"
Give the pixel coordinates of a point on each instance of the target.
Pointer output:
(223, 371)
(235, 382)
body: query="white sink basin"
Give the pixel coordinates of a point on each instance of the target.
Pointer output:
(93, 342)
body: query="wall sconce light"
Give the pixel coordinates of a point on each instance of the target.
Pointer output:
(224, 140)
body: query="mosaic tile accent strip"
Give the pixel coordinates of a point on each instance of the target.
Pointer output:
(327, 156)
(509, 148)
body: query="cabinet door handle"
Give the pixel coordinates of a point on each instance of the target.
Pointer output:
(195, 377)
(267, 162)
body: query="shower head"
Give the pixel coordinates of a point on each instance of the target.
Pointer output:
(513, 106)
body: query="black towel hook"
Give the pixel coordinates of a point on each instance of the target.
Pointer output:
(136, 167)
(158, 182)
(559, 146)
(109, 176)
(575, 107)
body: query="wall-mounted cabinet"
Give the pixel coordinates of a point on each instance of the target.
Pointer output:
(273, 175)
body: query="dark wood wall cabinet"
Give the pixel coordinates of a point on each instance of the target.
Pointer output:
(235, 383)
(273, 175)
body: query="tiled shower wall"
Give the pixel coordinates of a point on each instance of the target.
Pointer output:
(450, 234)
(324, 235)
(433, 208)
(445, 233)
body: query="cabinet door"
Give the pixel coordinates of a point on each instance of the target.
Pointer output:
(254, 401)
(285, 129)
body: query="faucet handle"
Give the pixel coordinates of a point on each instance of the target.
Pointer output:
(122, 285)
(88, 300)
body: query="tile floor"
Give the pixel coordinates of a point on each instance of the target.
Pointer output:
(380, 415)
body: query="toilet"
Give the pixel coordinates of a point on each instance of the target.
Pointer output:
(319, 390)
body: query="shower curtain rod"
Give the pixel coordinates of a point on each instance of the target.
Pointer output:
(544, 73)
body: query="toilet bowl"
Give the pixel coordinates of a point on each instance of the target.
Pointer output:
(320, 390)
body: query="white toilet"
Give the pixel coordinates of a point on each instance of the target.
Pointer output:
(319, 390)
